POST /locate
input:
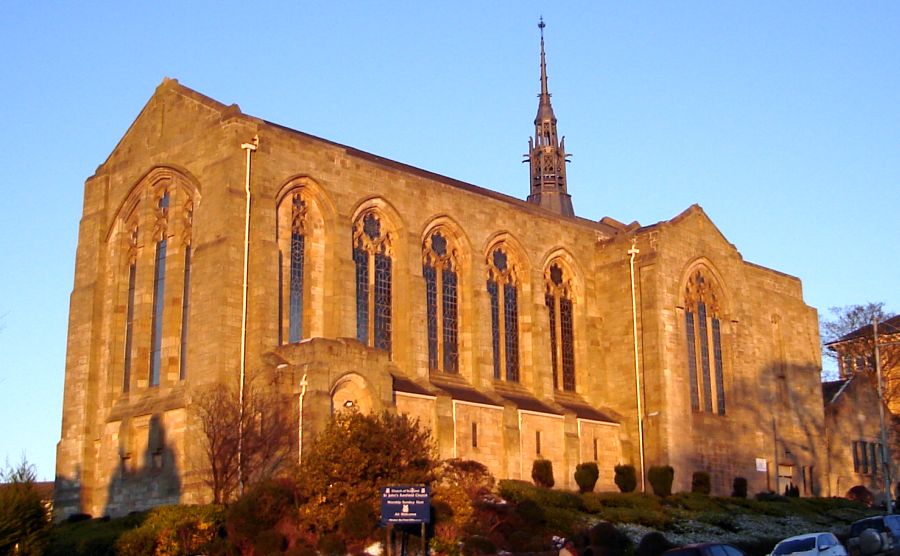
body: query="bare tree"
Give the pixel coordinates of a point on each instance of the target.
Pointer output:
(264, 437)
(848, 319)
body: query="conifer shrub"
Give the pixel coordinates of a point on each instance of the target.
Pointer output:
(24, 520)
(625, 478)
(586, 475)
(542, 473)
(661, 477)
(739, 487)
(700, 482)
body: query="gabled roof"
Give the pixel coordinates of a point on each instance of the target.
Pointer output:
(833, 389)
(889, 326)
(609, 228)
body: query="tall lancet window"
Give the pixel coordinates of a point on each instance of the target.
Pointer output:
(188, 215)
(704, 345)
(159, 288)
(129, 306)
(504, 294)
(372, 258)
(441, 297)
(558, 299)
(292, 276)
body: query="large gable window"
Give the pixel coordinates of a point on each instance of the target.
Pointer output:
(503, 291)
(558, 299)
(154, 230)
(442, 302)
(372, 258)
(704, 345)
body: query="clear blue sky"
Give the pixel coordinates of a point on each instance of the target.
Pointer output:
(781, 119)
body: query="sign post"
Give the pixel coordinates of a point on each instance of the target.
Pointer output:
(405, 504)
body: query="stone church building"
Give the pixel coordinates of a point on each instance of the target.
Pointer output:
(215, 245)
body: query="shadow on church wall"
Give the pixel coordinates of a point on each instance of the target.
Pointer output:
(147, 479)
(773, 413)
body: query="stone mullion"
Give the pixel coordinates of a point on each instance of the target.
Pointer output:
(501, 325)
(439, 313)
(370, 302)
(560, 367)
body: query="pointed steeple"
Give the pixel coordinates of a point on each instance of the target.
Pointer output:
(546, 153)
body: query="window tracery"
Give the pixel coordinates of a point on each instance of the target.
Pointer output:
(187, 223)
(372, 256)
(558, 300)
(441, 299)
(704, 344)
(502, 286)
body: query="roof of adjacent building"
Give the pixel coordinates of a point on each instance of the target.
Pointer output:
(889, 326)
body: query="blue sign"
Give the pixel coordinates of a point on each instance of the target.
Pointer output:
(405, 504)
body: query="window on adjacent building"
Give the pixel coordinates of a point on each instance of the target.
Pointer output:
(558, 300)
(704, 345)
(504, 296)
(441, 301)
(474, 435)
(537, 442)
(372, 258)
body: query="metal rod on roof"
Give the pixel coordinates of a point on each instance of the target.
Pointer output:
(885, 449)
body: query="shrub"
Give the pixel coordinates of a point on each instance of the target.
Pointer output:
(625, 478)
(653, 543)
(531, 514)
(542, 473)
(478, 545)
(359, 521)
(700, 482)
(739, 487)
(259, 509)
(860, 494)
(332, 545)
(608, 539)
(516, 491)
(172, 530)
(353, 457)
(586, 475)
(661, 477)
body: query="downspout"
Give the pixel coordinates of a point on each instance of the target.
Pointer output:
(637, 368)
(303, 385)
(249, 147)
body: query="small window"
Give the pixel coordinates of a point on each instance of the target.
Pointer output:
(474, 435)
(537, 442)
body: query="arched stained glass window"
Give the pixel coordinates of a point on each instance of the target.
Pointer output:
(558, 299)
(704, 345)
(503, 291)
(442, 302)
(372, 258)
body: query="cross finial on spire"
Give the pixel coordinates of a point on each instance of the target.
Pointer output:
(541, 26)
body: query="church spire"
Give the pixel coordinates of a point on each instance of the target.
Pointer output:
(546, 153)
